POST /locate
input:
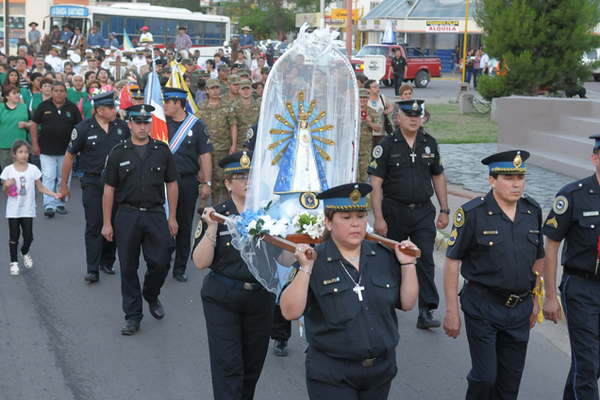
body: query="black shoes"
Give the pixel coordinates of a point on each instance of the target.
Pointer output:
(280, 348)
(49, 212)
(131, 327)
(180, 276)
(108, 269)
(426, 320)
(92, 277)
(156, 309)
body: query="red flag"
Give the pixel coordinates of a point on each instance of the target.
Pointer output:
(125, 98)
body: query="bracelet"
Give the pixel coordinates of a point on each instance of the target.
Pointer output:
(410, 263)
(445, 211)
(307, 272)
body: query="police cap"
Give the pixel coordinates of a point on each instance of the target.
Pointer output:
(412, 108)
(348, 197)
(236, 163)
(140, 113)
(510, 162)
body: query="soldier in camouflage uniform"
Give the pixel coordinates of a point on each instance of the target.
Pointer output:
(222, 129)
(246, 111)
(234, 90)
(223, 70)
(369, 121)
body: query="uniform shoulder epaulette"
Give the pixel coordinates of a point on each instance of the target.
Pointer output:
(532, 201)
(380, 246)
(473, 204)
(573, 186)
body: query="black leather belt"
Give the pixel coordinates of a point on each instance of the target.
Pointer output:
(236, 284)
(506, 299)
(143, 209)
(92, 173)
(581, 273)
(412, 205)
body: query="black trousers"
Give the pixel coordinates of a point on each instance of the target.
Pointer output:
(581, 304)
(186, 205)
(98, 251)
(281, 328)
(15, 227)
(398, 81)
(148, 231)
(238, 323)
(418, 225)
(333, 378)
(498, 338)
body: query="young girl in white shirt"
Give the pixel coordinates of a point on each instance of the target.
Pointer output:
(19, 181)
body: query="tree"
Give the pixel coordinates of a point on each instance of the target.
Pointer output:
(541, 42)
(268, 18)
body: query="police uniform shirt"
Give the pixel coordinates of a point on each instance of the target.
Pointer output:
(93, 144)
(405, 180)
(57, 125)
(227, 260)
(340, 325)
(139, 181)
(495, 251)
(195, 143)
(575, 216)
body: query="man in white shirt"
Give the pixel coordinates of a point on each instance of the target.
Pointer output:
(54, 60)
(139, 60)
(483, 62)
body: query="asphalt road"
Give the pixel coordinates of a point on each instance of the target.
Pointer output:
(60, 338)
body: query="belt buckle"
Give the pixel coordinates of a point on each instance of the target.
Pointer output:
(412, 205)
(512, 301)
(368, 362)
(248, 286)
(143, 209)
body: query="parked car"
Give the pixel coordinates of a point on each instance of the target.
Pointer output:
(593, 57)
(419, 69)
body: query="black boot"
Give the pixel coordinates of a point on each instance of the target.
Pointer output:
(426, 320)
(131, 327)
(280, 349)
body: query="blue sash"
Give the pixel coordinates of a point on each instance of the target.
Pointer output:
(185, 127)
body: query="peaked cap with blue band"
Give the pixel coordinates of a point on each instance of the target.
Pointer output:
(104, 99)
(236, 163)
(140, 113)
(174, 93)
(596, 139)
(348, 197)
(510, 162)
(412, 108)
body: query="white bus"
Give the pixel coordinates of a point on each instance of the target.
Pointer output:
(204, 30)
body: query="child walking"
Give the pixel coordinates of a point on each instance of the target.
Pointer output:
(19, 181)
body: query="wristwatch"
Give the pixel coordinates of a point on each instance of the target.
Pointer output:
(209, 183)
(445, 211)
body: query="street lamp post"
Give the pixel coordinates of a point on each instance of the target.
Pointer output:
(465, 38)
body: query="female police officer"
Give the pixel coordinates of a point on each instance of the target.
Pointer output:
(348, 296)
(238, 311)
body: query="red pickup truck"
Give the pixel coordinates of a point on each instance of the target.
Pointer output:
(419, 69)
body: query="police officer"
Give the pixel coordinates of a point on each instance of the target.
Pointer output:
(402, 170)
(222, 130)
(496, 241)
(135, 177)
(575, 217)
(191, 149)
(238, 310)
(348, 296)
(93, 139)
(398, 66)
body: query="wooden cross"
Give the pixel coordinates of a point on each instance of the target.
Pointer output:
(118, 64)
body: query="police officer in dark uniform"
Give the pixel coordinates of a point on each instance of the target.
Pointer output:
(402, 170)
(92, 139)
(135, 176)
(238, 310)
(497, 244)
(191, 149)
(348, 296)
(398, 66)
(575, 217)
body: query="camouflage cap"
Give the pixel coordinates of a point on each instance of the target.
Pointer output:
(363, 92)
(245, 83)
(212, 83)
(233, 79)
(223, 67)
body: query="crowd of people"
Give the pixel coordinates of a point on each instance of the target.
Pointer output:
(62, 113)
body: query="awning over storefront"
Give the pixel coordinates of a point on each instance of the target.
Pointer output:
(426, 16)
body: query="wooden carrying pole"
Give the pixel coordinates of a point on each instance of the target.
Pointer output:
(310, 253)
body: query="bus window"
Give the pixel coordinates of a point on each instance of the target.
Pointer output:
(156, 28)
(214, 34)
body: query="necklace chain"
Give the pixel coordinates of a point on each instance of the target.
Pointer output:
(350, 276)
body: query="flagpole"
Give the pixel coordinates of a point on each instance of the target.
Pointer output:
(465, 38)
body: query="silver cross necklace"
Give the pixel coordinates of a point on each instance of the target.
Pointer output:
(358, 289)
